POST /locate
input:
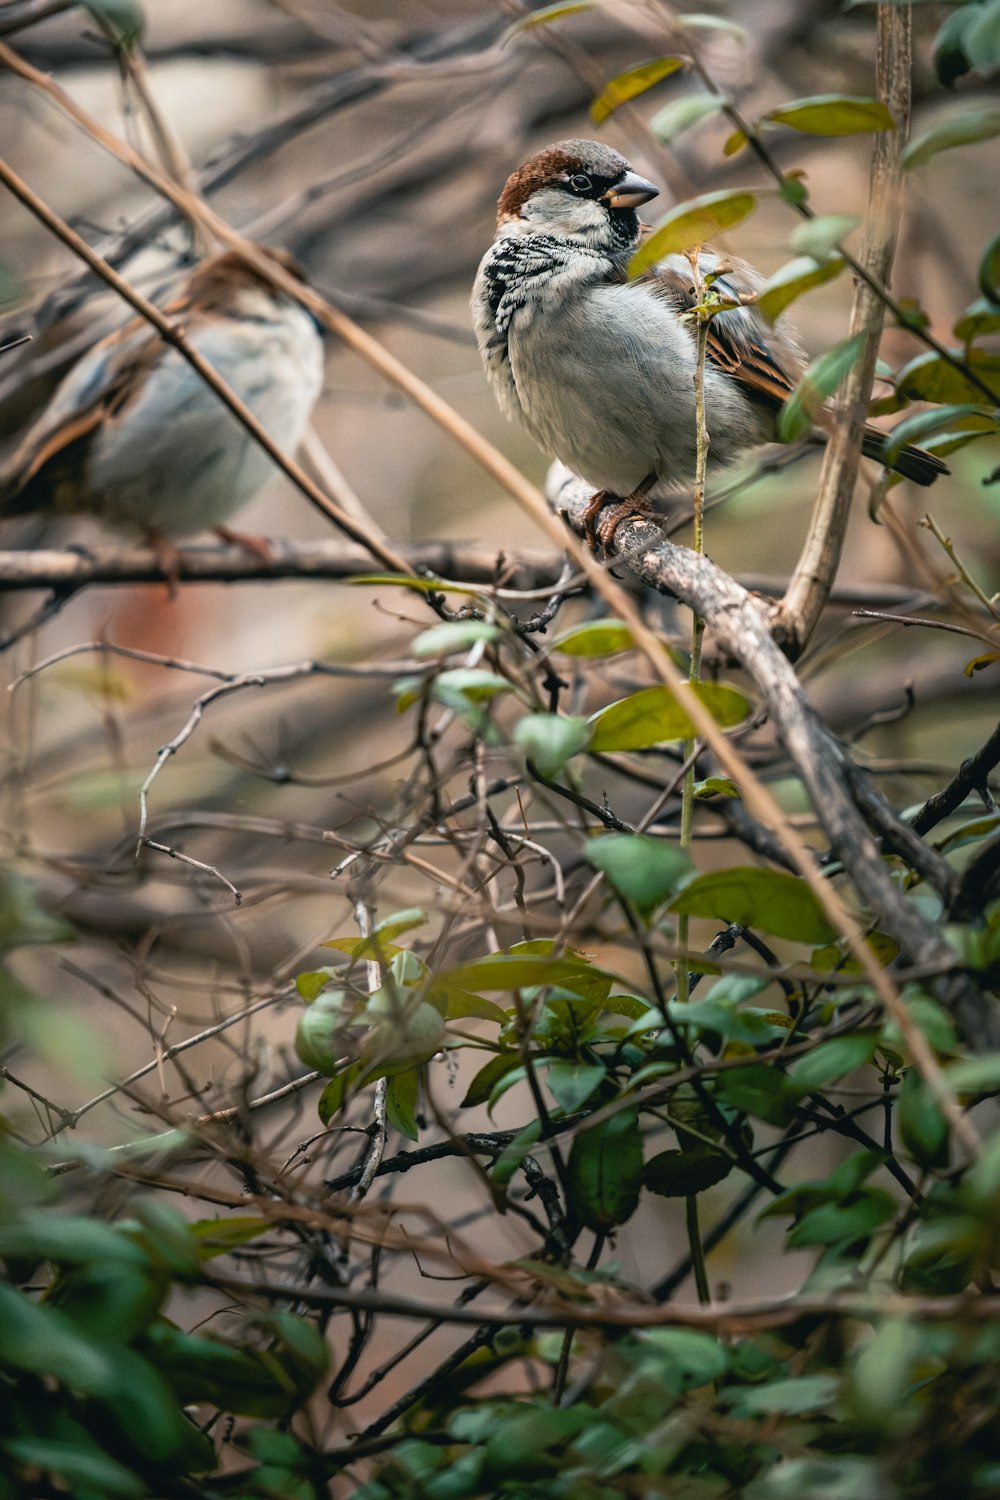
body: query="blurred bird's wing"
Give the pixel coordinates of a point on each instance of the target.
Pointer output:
(98, 389)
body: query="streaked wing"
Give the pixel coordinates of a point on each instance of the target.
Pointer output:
(733, 345)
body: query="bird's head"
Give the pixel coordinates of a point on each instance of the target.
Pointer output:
(581, 191)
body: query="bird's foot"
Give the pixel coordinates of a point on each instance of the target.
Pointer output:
(169, 560)
(635, 504)
(257, 546)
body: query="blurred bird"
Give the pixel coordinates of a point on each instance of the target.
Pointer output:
(600, 369)
(135, 437)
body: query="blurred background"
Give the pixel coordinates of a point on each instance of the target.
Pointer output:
(372, 140)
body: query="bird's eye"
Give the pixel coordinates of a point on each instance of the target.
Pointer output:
(580, 183)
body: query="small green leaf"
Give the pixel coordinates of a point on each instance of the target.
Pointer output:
(379, 942)
(645, 870)
(928, 377)
(545, 15)
(976, 1075)
(833, 114)
(652, 716)
(715, 786)
(734, 143)
(761, 1091)
(681, 1174)
(452, 636)
(680, 114)
(86, 1468)
(401, 1103)
(461, 686)
(958, 130)
(791, 281)
(550, 741)
(921, 1124)
(631, 84)
(821, 378)
(818, 238)
(989, 272)
(690, 224)
(605, 1171)
(406, 581)
(981, 317)
(513, 1155)
(123, 19)
(489, 1074)
(768, 900)
(595, 638)
(831, 1060)
(331, 1101)
(855, 1218)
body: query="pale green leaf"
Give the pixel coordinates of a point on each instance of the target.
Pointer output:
(958, 130)
(595, 638)
(819, 381)
(652, 716)
(690, 224)
(791, 281)
(680, 114)
(833, 114)
(631, 84)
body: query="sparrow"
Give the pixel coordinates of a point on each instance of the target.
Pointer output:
(135, 437)
(600, 369)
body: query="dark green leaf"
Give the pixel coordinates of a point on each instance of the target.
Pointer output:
(821, 378)
(331, 1101)
(854, 1219)
(631, 84)
(958, 130)
(716, 786)
(922, 1125)
(81, 1464)
(67, 1239)
(768, 900)
(645, 870)
(818, 238)
(924, 424)
(401, 1103)
(653, 716)
(513, 1155)
(490, 1073)
(605, 1171)
(515, 971)
(931, 378)
(680, 1174)
(690, 224)
(833, 114)
(691, 1358)
(761, 1091)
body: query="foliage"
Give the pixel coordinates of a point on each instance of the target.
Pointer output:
(619, 1044)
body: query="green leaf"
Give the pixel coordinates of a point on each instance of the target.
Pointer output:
(319, 1036)
(515, 971)
(631, 84)
(332, 1099)
(768, 900)
(407, 581)
(818, 238)
(23, 921)
(573, 1083)
(67, 1240)
(313, 982)
(833, 114)
(989, 272)
(452, 636)
(123, 19)
(821, 378)
(379, 942)
(793, 280)
(800, 1394)
(546, 14)
(690, 224)
(980, 317)
(923, 424)
(645, 870)
(513, 1155)
(81, 1464)
(680, 114)
(931, 378)
(692, 1358)
(958, 130)
(855, 1218)
(761, 1091)
(680, 1174)
(461, 686)
(489, 1074)
(715, 786)
(401, 1103)
(976, 1075)
(605, 1171)
(550, 741)
(218, 1236)
(595, 638)
(703, 22)
(831, 1060)
(653, 716)
(922, 1125)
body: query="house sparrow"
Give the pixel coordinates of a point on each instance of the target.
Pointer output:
(135, 437)
(600, 369)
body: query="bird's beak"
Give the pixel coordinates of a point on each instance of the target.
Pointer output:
(630, 191)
